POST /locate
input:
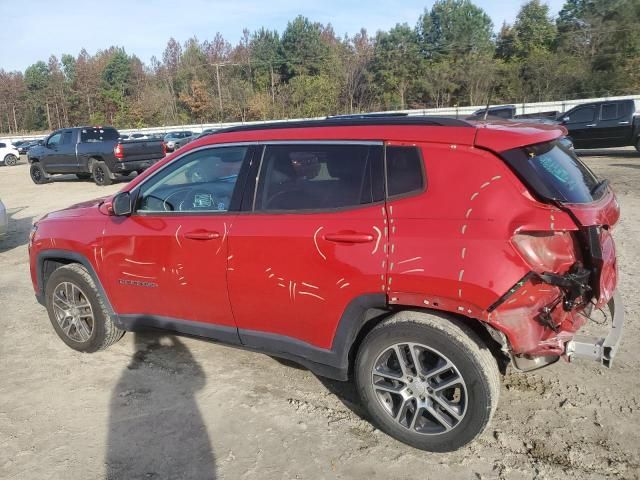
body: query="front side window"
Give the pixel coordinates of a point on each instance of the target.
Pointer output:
(582, 115)
(54, 139)
(404, 170)
(318, 177)
(202, 181)
(66, 138)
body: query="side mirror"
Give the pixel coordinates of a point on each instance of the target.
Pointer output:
(121, 204)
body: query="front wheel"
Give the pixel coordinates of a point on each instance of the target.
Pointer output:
(10, 160)
(37, 174)
(101, 174)
(427, 380)
(77, 311)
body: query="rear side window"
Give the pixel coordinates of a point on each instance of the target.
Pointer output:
(553, 172)
(609, 111)
(319, 177)
(97, 134)
(404, 171)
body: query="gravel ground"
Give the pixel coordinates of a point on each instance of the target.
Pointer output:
(159, 406)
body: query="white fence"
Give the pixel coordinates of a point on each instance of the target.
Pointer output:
(521, 109)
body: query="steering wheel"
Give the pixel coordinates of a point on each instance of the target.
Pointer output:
(198, 199)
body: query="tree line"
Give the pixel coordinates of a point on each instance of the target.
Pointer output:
(451, 56)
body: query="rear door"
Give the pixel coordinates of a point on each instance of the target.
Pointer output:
(312, 241)
(614, 126)
(581, 123)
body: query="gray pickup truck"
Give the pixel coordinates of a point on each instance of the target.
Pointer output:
(91, 152)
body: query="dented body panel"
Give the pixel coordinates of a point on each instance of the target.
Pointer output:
(449, 247)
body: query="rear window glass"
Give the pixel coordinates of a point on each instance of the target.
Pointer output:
(92, 135)
(404, 170)
(553, 172)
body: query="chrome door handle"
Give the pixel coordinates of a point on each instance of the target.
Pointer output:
(623, 123)
(591, 125)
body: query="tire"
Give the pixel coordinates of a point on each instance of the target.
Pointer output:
(10, 160)
(71, 285)
(38, 175)
(637, 145)
(101, 174)
(452, 357)
(83, 176)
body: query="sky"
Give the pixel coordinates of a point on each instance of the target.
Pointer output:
(35, 29)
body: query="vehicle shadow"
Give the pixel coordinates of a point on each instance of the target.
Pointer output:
(346, 392)
(608, 153)
(17, 230)
(156, 429)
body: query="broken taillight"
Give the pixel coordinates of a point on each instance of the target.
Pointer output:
(547, 251)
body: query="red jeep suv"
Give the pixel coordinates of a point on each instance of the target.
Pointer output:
(413, 254)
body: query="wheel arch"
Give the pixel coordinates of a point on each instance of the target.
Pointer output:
(368, 318)
(50, 260)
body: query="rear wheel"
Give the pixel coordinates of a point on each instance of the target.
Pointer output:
(77, 311)
(101, 174)
(10, 160)
(427, 380)
(38, 175)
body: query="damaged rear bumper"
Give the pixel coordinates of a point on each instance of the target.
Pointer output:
(600, 349)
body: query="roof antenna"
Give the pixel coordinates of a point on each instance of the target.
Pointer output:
(486, 111)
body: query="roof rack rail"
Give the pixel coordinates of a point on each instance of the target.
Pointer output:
(351, 122)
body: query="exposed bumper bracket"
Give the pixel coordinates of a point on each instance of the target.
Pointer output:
(600, 349)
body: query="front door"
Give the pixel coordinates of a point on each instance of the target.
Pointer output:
(168, 260)
(582, 124)
(314, 241)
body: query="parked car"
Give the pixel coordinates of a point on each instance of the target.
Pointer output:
(175, 140)
(613, 123)
(9, 155)
(207, 131)
(4, 220)
(377, 250)
(92, 152)
(24, 148)
(509, 112)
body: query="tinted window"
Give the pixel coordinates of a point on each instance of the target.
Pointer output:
(404, 170)
(582, 115)
(609, 111)
(96, 134)
(203, 181)
(553, 172)
(3, 145)
(66, 138)
(313, 177)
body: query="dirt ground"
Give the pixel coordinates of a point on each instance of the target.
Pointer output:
(158, 406)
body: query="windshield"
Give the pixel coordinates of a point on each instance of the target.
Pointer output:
(554, 172)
